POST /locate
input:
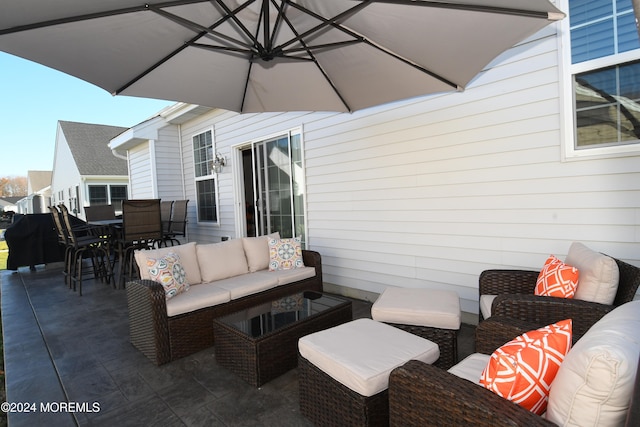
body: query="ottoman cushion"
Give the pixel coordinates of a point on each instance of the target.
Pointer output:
(420, 307)
(360, 354)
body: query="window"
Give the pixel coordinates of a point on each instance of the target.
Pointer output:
(107, 194)
(203, 154)
(118, 194)
(605, 70)
(98, 195)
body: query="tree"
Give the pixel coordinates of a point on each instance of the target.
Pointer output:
(13, 186)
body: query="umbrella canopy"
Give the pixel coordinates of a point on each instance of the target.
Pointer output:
(271, 55)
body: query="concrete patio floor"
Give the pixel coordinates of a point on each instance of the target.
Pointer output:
(68, 362)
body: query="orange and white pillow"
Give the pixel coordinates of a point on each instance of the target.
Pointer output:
(523, 369)
(557, 279)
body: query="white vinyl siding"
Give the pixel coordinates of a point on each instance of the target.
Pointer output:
(141, 173)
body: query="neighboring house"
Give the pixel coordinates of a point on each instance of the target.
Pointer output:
(39, 193)
(541, 150)
(9, 204)
(85, 172)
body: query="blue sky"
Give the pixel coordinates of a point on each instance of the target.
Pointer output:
(32, 100)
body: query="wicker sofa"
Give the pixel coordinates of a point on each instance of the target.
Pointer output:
(224, 277)
(423, 395)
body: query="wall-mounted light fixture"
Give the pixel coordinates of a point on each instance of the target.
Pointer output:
(217, 163)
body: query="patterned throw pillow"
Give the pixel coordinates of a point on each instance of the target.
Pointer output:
(285, 254)
(557, 279)
(168, 271)
(522, 369)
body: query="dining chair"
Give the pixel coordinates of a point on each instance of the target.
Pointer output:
(178, 223)
(85, 241)
(62, 240)
(99, 212)
(141, 229)
(166, 207)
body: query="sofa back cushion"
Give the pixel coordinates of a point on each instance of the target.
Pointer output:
(221, 260)
(256, 250)
(595, 382)
(599, 274)
(188, 259)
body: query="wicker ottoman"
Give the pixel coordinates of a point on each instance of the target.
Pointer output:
(344, 371)
(428, 313)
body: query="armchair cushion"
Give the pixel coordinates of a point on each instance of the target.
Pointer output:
(221, 260)
(523, 369)
(188, 259)
(557, 279)
(596, 379)
(599, 274)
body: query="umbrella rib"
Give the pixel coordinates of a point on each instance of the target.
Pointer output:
(332, 22)
(191, 42)
(96, 15)
(469, 7)
(245, 30)
(315, 61)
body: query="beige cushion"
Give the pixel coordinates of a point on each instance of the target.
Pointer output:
(199, 296)
(256, 250)
(188, 259)
(362, 353)
(289, 276)
(249, 283)
(471, 367)
(596, 378)
(420, 307)
(221, 260)
(598, 274)
(486, 301)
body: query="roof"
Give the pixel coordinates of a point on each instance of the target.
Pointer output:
(37, 180)
(89, 146)
(9, 201)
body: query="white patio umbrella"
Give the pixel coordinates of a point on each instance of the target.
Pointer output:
(271, 55)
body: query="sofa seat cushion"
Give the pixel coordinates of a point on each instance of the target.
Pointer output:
(188, 259)
(199, 296)
(599, 274)
(485, 305)
(362, 353)
(597, 377)
(247, 284)
(221, 260)
(471, 367)
(289, 276)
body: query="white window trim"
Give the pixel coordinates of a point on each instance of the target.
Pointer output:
(213, 176)
(567, 115)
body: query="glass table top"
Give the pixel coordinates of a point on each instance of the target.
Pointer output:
(269, 317)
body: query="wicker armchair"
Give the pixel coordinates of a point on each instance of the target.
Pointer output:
(516, 299)
(424, 395)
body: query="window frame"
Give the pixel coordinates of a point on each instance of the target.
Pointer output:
(567, 72)
(210, 176)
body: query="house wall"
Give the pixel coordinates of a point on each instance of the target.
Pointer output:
(65, 173)
(168, 164)
(141, 172)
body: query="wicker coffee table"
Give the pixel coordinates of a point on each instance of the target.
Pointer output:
(261, 343)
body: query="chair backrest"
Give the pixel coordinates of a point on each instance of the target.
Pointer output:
(57, 222)
(179, 217)
(628, 283)
(141, 220)
(99, 212)
(165, 215)
(68, 226)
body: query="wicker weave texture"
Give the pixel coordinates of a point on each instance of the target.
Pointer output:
(259, 360)
(327, 402)
(447, 340)
(424, 395)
